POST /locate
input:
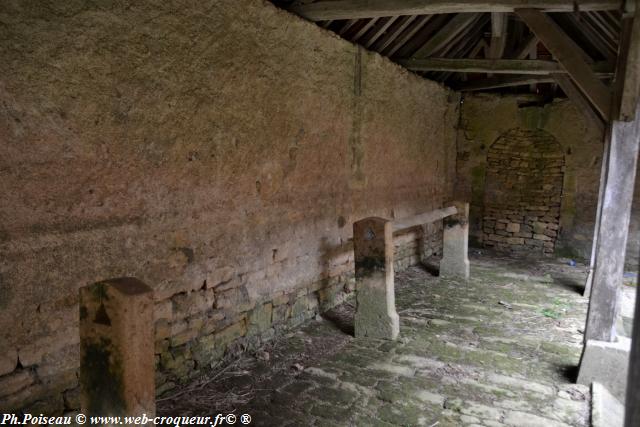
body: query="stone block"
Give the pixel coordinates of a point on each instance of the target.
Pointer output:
(455, 261)
(513, 227)
(230, 333)
(260, 318)
(606, 410)
(235, 298)
(515, 241)
(117, 361)
(376, 315)
(12, 383)
(606, 363)
(8, 360)
(541, 237)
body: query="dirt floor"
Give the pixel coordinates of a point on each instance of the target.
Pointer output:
(500, 349)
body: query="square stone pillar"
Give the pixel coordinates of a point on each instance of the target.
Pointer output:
(376, 315)
(117, 367)
(455, 259)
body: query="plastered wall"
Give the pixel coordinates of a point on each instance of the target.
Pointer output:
(219, 151)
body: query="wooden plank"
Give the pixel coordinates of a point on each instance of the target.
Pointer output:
(358, 9)
(425, 218)
(578, 99)
(417, 26)
(569, 56)
(346, 26)
(362, 31)
(379, 32)
(502, 81)
(502, 66)
(446, 34)
(395, 32)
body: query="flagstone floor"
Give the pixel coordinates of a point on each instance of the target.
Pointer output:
(498, 350)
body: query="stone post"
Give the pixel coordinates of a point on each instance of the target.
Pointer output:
(117, 367)
(376, 315)
(632, 417)
(455, 260)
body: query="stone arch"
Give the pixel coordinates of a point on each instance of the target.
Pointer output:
(523, 192)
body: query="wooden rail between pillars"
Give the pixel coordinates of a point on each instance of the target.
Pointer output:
(376, 315)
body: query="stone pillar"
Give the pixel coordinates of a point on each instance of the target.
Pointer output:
(455, 260)
(117, 366)
(376, 315)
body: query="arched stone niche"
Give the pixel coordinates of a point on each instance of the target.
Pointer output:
(523, 192)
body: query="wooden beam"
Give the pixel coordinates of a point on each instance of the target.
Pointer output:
(358, 9)
(578, 99)
(502, 81)
(500, 66)
(569, 56)
(379, 32)
(613, 231)
(628, 73)
(498, 35)
(362, 31)
(396, 31)
(443, 37)
(417, 26)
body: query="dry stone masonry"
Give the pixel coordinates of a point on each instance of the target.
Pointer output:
(524, 179)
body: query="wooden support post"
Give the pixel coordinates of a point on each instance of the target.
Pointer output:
(376, 315)
(455, 260)
(611, 241)
(117, 367)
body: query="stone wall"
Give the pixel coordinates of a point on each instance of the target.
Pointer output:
(218, 151)
(523, 190)
(491, 119)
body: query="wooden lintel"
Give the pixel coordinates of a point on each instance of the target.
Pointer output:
(570, 56)
(357, 9)
(499, 66)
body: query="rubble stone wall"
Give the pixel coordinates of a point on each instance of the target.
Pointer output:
(574, 157)
(218, 151)
(523, 192)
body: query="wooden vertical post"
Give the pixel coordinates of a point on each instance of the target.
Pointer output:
(117, 368)
(613, 231)
(376, 315)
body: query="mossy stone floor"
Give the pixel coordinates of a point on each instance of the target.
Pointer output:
(500, 349)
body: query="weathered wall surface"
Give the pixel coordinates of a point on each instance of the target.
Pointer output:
(487, 118)
(219, 151)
